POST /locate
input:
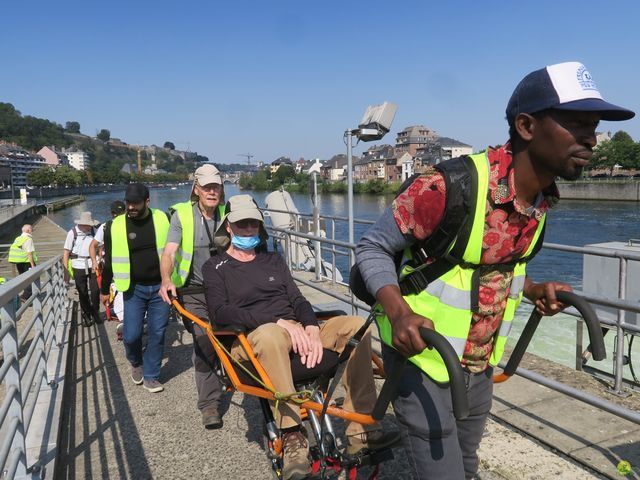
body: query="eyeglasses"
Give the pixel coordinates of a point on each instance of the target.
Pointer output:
(210, 187)
(247, 223)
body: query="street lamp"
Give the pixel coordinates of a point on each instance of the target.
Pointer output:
(375, 123)
(13, 196)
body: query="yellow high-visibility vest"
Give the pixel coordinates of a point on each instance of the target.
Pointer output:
(184, 255)
(446, 301)
(17, 254)
(120, 260)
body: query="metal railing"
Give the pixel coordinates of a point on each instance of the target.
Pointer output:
(290, 237)
(33, 336)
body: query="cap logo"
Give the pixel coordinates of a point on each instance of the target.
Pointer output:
(585, 80)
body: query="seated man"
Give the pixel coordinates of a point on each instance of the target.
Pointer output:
(255, 290)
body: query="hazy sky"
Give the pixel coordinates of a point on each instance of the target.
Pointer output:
(287, 78)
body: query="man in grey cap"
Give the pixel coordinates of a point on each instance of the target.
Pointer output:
(189, 245)
(467, 284)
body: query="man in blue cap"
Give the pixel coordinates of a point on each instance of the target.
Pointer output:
(465, 230)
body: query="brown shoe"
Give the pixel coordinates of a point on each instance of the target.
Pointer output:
(295, 456)
(374, 440)
(211, 419)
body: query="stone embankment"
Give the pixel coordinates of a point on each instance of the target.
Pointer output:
(608, 189)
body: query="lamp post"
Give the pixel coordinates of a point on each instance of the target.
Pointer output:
(13, 195)
(375, 123)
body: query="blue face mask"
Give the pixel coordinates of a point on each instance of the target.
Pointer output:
(245, 243)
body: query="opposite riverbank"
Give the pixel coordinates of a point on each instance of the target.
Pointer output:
(618, 190)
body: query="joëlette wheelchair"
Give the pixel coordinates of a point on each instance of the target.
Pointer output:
(314, 389)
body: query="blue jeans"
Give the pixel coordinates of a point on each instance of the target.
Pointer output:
(138, 300)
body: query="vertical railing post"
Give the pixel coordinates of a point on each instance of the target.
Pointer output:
(619, 358)
(39, 329)
(287, 245)
(12, 384)
(579, 345)
(333, 252)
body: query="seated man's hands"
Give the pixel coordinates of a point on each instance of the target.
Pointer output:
(315, 353)
(304, 342)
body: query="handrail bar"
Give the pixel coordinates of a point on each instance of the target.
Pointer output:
(25, 375)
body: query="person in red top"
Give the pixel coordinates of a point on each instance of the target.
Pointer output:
(552, 114)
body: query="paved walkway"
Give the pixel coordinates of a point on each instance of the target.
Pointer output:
(48, 239)
(115, 429)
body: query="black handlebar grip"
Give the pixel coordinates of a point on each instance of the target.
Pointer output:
(523, 343)
(454, 369)
(389, 387)
(590, 318)
(593, 326)
(452, 364)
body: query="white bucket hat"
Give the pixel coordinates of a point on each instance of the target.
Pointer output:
(86, 219)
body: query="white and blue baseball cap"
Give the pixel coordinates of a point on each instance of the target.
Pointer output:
(563, 86)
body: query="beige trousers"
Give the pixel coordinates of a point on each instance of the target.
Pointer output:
(271, 345)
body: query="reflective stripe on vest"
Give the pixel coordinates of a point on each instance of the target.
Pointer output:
(184, 255)
(447, 300)
(17, 254)
(120, 261)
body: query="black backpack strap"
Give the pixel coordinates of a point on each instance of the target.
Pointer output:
(461, 183)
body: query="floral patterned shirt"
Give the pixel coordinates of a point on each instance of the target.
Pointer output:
(509, 229)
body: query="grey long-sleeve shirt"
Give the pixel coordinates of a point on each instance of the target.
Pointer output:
(376, 250)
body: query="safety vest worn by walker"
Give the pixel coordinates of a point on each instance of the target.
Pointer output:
(450, 299)
(120, 261)
(184, 255)
(17, 254)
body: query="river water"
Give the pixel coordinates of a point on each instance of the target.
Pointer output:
(570, 222)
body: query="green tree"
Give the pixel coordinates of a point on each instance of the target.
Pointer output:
(104, 135)
(284, 173)
(169, 145)
(620, 150)
(72, 127)
(40, 177)
(67, 176)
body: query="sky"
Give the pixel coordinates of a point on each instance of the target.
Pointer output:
(287, 78)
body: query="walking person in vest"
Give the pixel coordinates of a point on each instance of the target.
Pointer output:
(471, 299)
(133, 246)
(22, 254)
(189, 245)
(76, 248)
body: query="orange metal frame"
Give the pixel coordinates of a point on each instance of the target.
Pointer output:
(259, 391)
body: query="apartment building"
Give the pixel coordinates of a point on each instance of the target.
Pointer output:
(53, 156)
(414, 137)
(438, 151)
(19, 162)
(77, 158)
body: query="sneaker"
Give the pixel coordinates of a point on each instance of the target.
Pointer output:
(119, 334)
(136, 375)
(211, 419)
(153, 386)
(86, 320)
(374, 440)
(295, 456)
(97, 318)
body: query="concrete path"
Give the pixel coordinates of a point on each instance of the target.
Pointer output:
(115, 429)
